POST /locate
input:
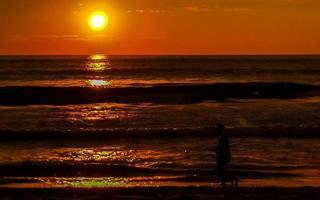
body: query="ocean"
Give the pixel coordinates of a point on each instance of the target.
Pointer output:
(126, 121)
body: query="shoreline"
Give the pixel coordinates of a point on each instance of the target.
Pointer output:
(163, 193)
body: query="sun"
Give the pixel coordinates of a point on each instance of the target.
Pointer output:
(98, 21)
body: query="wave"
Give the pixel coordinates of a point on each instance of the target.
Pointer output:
(74, 169)
(69, 169)
(159, 133)
(160, 94)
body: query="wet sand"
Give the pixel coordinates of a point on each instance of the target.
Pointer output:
(164, 193)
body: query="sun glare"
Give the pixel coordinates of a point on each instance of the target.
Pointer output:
(98, 21)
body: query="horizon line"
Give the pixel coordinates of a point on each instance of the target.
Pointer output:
(8, 55)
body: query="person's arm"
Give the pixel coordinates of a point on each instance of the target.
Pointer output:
(228, 149)
(218, 147)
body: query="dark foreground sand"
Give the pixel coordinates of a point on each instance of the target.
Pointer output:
(265, 193)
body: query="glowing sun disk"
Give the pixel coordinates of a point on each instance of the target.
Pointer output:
(98, 21)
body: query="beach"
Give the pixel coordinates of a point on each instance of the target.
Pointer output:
(164, 193)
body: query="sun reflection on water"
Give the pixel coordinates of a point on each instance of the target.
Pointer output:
(93, 117)
(99, 83)
(98, 62)
(115, 156)
(98, 57)
(92, 182)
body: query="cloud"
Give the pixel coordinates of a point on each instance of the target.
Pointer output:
(68, 37)
(216, 8)
(54, 37)
(197, 8)
(142, 11)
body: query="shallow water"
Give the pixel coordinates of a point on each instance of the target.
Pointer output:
(164, 162)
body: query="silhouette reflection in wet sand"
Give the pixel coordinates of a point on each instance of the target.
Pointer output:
(223, 155)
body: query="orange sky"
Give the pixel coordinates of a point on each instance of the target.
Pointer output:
(161, 27)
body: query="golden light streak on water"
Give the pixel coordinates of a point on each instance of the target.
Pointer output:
(99, 83)
(98, 63)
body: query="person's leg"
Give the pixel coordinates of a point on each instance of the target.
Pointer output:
(223, 176)
(221, 173)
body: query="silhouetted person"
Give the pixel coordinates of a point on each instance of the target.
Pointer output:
(223, 154)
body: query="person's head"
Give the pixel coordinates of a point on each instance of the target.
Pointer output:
(220, 128)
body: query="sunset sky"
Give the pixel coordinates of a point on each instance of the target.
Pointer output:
(161, 27)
